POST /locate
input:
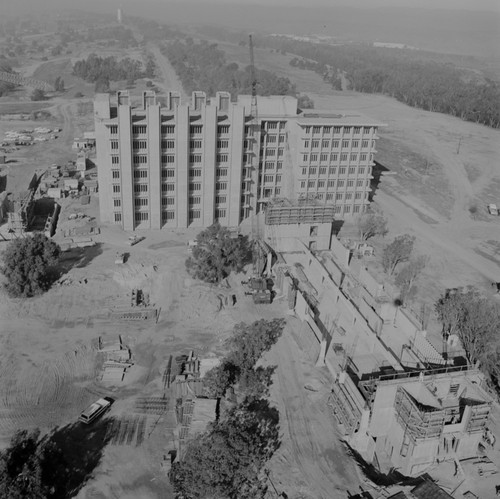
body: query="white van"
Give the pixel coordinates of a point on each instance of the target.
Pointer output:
(95, 410)
(492, 208)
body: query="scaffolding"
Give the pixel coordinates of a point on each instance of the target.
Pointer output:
(420, 422)
(20, 212)
(283, 212)
(346, 404)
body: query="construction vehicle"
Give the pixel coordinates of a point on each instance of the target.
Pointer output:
(492, 209)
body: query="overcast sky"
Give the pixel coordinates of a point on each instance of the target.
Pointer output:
(491, 5)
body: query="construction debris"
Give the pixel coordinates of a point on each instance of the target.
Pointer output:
(117, 360)
(123, 430)
(139, 298)
(144, 314)
(152, 405)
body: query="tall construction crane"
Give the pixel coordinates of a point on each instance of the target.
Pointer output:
(253, 103)
(260, 250)
(254, 123)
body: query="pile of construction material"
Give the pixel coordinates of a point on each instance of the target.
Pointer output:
(80, 242)
(28, 136)
(139, 298)
(187, 380)
(188, 367)
(117, 360)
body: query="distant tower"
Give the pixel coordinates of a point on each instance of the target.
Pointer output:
(119, 15)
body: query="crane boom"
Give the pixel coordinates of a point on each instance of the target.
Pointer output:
(253, 105)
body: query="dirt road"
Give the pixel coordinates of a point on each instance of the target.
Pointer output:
(167, 72)
(312, 461)
(466, 158)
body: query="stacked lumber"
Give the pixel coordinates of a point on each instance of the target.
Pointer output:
(117, 360)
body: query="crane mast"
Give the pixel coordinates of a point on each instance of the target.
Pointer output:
(253, 104)
(258, 259)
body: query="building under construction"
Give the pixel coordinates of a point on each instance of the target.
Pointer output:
(307, 219)
(399, 403)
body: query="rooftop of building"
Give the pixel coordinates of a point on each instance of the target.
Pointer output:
(272, 106)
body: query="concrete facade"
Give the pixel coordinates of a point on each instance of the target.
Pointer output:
(191, 164)
(399, 403)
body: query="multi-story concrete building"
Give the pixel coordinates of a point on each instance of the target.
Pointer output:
(191, 164)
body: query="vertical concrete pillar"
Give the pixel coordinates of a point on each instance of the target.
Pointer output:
(209, 164)
(182, 181)
(154, 157)
(102, 113)
(237, 137)
(126, 165)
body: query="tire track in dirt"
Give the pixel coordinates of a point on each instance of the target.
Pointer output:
(310, 445)
(45, 394)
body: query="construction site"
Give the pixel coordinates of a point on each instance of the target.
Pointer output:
(370, 397)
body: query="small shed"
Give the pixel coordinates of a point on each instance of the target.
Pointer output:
(71, 184)
(54, 192)
(91, 186)
(81, 162)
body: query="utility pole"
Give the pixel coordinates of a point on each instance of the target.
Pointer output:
(458, 147)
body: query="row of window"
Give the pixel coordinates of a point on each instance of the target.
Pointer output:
(219, 186)
(268, 125)
(332, 170)
(324, 157)
(271, 165)
(222, 172)
(167, 129)
(337, 129)
(168, 201)
(139, 129)
(271, 152)
(141, 159)
(270, 178)
(138, 202)
(335, 144)
(273, 125)
(311, 184)
(170, 215)
(273, 138)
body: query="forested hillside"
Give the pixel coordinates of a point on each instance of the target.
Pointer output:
(415, 81)
(460, 85)
(202, 66)
(102, 70)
